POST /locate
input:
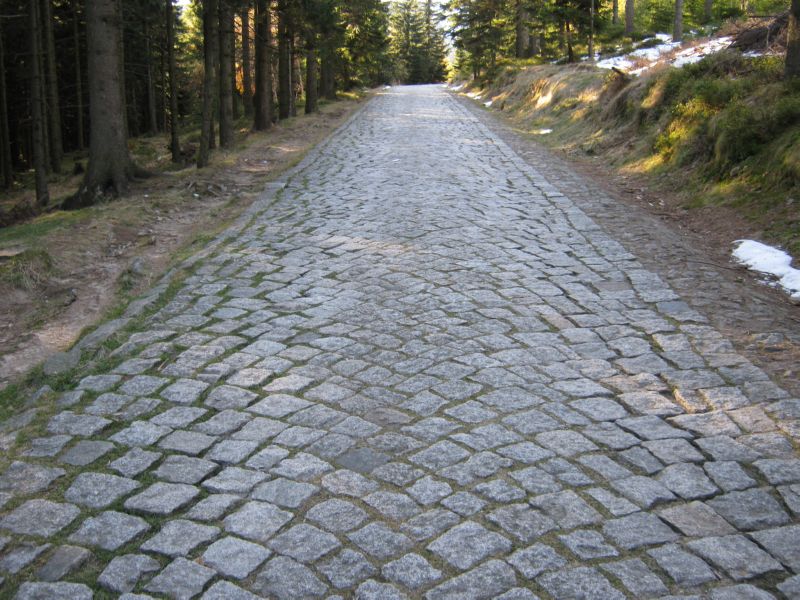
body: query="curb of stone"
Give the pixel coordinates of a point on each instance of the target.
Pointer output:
(64, 361)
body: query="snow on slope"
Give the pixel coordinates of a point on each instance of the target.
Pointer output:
(666, 52)
(770, 261)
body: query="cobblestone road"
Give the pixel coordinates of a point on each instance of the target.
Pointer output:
(422, 372)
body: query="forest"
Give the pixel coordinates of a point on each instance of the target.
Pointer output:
(80, 77)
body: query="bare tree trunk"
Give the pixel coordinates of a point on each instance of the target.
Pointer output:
(708, 11)
(284, 64)
(234, 90)
(225, 91)
(297, 78)
(615, 12)
(327, 74)
(51, 85)
(677, 29)
(629, 25)
(210, 17)
(263, 96)
(78, 81)
(152, 113)
(247, 82)
(312, 94)
(37, 109)
(174, 142)
(792, 67)
(523, 33)
(5, 138)
(110, 165)
(591, 31)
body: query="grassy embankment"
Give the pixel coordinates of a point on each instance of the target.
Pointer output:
(722, 132)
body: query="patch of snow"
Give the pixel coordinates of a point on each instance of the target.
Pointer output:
(770, 261)
(488, 104)
(542, 131)
(665, 52)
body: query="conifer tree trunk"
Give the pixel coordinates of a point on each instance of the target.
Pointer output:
(792, 67)
(56, 144)
(5, 137)
(677, 29)
(708, 11)
(37, 108)
(629, 8)
(615, 11)
(327, 74)
(174, 142)
(284, 64)
(234, 91)
(523, 34)
(247, 82)
(312, 94)
(210, 16)
(79, 107)
(152, 111)
(297, 78)
(110, 166)
(225, 89)
(263, 96)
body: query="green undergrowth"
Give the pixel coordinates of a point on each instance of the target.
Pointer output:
(724, 131)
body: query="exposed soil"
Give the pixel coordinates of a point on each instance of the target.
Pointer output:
(117, 249)
(689, 248)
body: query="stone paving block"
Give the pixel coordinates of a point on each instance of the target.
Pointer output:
(588, 545)
(179, 538)
(98, 490)
(782, 543)
(639, 529)
(644, 491)
(582, 582)
(25, 479)
(637, 578)
(380, 542)
(162, 498)
(184, 469)
(140, 433)
(536, 559)
(336, 515)
(486, 581)
(347, 569)
(467, 544)
(41, 518)
(234, 557)
(225, 590)
(109, 530)
(179, 416)
(688, 481)
(348, 483)
(567, 509)
(85, 452)
(213, 507)
(750, 509)
(134, 462)
(696, 519)
(286, 579)
(184, 391)
(19, 557)
(181, 580)
(53, 591)
(63, 561)
(685, 568)
(257, 521)
(304, 543)
(736, 555)
(188, 442)
(124, 572)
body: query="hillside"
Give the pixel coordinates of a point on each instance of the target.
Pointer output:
(724, 125)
